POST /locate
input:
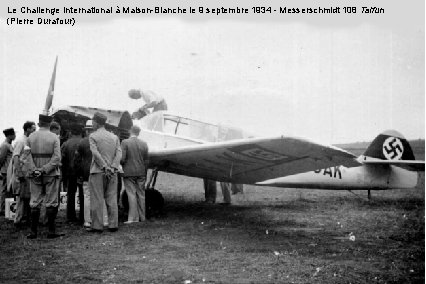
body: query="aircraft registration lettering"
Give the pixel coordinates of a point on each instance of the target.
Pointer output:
(333, 172)
(259, 153)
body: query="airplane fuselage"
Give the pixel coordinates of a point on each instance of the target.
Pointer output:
(364, 177)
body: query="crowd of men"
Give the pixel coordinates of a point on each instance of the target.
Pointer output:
(89, 161)
(35, 167)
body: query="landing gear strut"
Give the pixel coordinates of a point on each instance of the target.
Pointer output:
(152, 179)
(154, 201)
(369, 195)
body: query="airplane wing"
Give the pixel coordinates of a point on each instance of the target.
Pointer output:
(412, 165)
(250, 160)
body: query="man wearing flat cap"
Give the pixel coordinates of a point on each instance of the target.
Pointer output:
(106, 152)
(6, 151)
(44, 174)
(68, 151)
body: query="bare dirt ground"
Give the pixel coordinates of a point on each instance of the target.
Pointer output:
(268, 235)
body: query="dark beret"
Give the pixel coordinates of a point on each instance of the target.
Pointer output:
(99, 118)
(9, 131)
(44, 118)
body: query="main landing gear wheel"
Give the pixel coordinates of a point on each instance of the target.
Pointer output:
(154, 201)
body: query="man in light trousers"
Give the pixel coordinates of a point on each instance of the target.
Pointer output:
(23, 186)
(106, 151)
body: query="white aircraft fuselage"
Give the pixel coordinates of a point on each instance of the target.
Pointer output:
(363, 177)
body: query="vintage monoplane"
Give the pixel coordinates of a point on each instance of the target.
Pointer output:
(194, 148)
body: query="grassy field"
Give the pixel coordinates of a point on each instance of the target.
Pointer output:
(268, 235)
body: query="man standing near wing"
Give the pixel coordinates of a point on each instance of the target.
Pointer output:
(106, 151)
(135, 162)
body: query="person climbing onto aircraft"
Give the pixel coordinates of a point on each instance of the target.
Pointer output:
(152, 100)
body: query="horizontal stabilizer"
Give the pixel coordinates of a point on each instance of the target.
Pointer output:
(412, 165)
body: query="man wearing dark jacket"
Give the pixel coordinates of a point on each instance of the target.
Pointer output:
(68, 150)
(83, 160)
(135, 161)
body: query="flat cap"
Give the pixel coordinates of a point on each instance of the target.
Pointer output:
(99, 118)
(9, 131)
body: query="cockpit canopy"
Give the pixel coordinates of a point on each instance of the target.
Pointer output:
(164, 122)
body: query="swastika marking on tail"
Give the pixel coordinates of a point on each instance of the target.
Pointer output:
(393, 149)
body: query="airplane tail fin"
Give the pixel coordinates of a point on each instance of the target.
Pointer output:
(390, 145)
(391, 148)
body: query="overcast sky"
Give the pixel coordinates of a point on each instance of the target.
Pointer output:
(328, 84)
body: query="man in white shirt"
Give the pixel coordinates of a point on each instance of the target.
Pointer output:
(23, 187)
(152, 100)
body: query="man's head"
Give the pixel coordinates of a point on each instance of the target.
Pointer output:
(55, 128)
(135, 130)
(76, 129)
(99, 120)
(10, 134)
(44, 120)
(135, 94)
(29, 127)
